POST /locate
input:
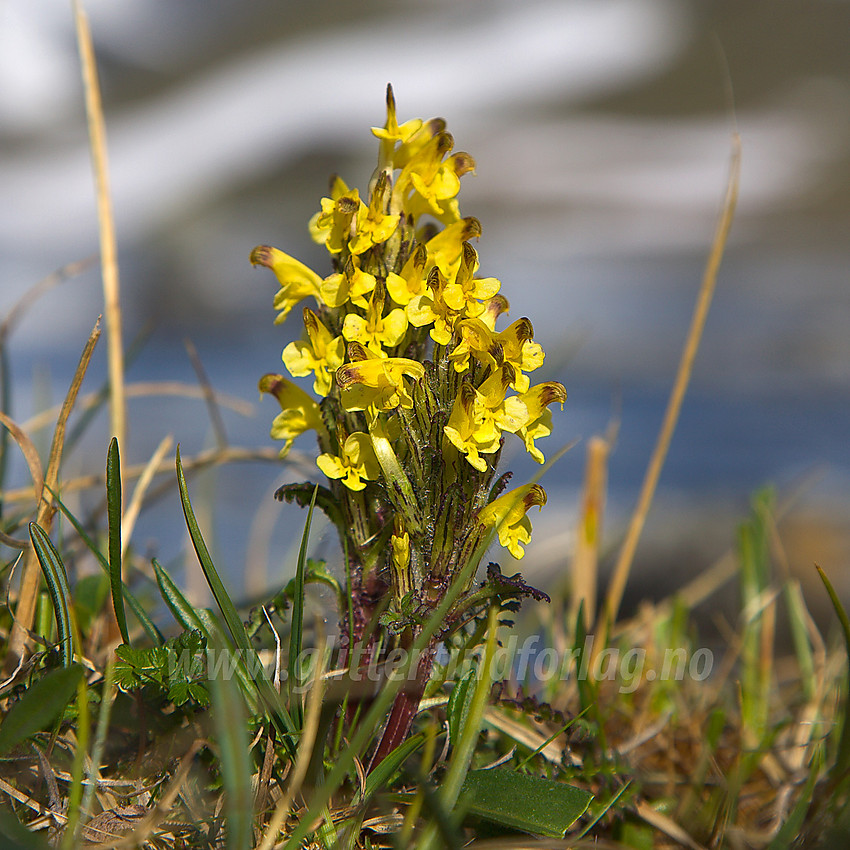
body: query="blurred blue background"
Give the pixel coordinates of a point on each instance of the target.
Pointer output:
(601, 132)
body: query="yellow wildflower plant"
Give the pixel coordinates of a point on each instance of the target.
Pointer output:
(417, 389)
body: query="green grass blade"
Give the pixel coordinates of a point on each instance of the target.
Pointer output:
(523, 801)
(57, 587)
(263, 688)
(141, 615)
(234, 752)
(225, 604)
(185, 613)
(39, 705)
(841, 766)
(113, 514)
(382, 774)
(206, 622)
(296, 631)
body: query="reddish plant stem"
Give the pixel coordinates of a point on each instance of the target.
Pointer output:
(404, 709)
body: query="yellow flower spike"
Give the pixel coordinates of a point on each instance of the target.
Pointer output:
(353, 284)
(528, 416)
(356, 465)
(508, 515)
(374, 225)
(469, 430)
(297, 281)
(405, 286)
(463, 293)
(375, 330)
(321, 354)
(299, 413)
(376, 382)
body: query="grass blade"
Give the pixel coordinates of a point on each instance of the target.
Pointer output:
(57, 587)
(296, 632)
(113, 514)
(135, 606)
(841, 766)
(263, 687)
(39, 705)
(225, 604)
(234, 752)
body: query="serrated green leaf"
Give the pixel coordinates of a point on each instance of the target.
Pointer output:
(57, 587)
(113, 516)
(522, 801)
(40, 705)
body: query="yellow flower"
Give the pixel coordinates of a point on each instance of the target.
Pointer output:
(476, 340)
(445, 249)
(472, 427)
(299, 413)
(464, 291)
(333, 225)
(320, 354)
(374, 225)
(376, 382)
(353, 284)
(513, 346)
(466, 434)
(375, 330)
(428, 183)
(520, 351)
(356, 465)
(528, 416)
(493, 308)
(391, 132)
(411, 282)
(508, 515)
(296, 280)
(430, 308)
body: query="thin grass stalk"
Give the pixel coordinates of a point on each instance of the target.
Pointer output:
(107, 698)
(589, 532)
(108, 247)
(75, 793)
(25, 609)
(128, 521)
(627, 552)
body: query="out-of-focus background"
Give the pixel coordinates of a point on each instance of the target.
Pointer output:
(602, 135)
